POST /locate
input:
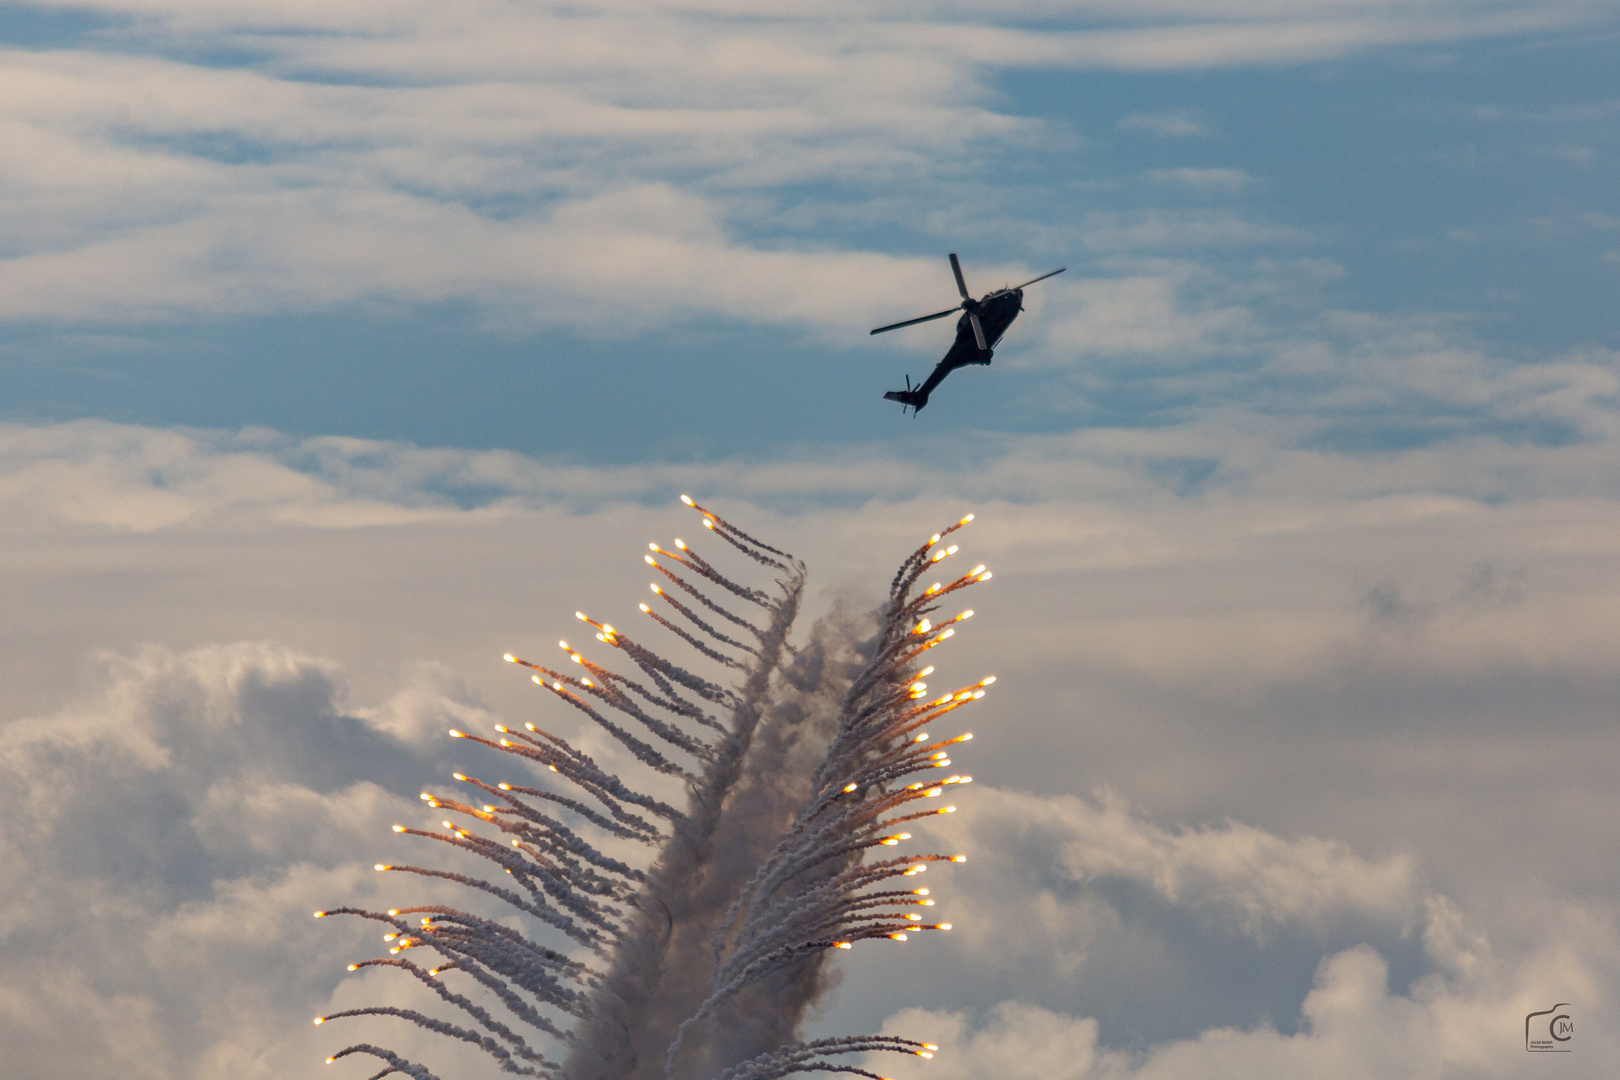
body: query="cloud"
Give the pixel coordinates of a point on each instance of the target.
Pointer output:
(231, 791)
(1139, 317)
(1180, 616)
(169, 836)
(301, 250)
(1398, 410)
(1017, 1041)
(1164, 125)
(1352, 1026)
(1241, 875)
(110, 476)
(367, 153)
(1158, 231)
(434, 700)
(243, 191)
(1206, 179)
(1085, 901)
(1353, 1016)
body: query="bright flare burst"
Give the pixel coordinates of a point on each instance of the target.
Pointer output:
(701, 963)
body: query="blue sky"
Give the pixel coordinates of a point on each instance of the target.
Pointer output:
(346, 345)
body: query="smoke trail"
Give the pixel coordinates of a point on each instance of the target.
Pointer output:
(701, 964)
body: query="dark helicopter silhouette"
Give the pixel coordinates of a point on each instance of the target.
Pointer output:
(977, 332)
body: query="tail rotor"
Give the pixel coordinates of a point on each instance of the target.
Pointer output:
(913, 398)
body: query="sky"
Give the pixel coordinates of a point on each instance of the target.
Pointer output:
(346, 346)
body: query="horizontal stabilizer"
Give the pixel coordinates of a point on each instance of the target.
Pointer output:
(916, 399)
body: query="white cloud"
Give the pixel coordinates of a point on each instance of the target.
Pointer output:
(208, 189)
(97, 476)
(169, 836)
(434, 700)
(1208, 179)
(361, 157)
(1303, 779)
(1353, 1027)
(1064, 898)
(1462, 1016)
(140, 479)
(1016, 1041)
(1241, 874)
(1159, 231)
(1139, 317)
(1165, 125)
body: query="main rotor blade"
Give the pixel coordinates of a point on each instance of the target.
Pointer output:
(914, 322)
(978, 332)
(961, 286)
(1043, 277)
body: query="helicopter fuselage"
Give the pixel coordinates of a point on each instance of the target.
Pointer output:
(996, 312)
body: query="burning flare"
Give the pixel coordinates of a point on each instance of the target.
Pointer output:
(699, 963)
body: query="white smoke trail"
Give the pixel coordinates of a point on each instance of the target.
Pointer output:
(701, 964)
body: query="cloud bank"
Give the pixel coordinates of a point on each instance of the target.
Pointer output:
(1303, 768)
(175, 160)
(168, 833)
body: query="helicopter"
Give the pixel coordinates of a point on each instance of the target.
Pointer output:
(978, 331)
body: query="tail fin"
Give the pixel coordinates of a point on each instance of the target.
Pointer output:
(914, 399)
